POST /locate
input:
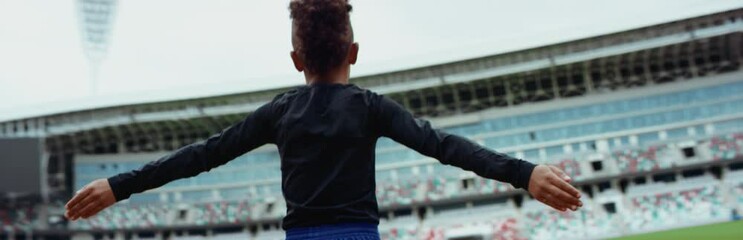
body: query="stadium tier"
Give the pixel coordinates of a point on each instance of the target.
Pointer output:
(434, 183)
(257, 174)
(18, 218)
(690, 202)
(647, 122)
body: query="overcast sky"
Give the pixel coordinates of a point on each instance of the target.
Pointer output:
(172, 49)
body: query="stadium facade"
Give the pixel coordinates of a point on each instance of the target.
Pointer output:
(649, 122)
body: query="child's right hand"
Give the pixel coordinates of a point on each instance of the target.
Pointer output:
(90, 200)
(550, 185)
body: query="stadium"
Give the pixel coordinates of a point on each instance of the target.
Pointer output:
(648, 122)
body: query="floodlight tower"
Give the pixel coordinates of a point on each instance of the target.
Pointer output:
(96, 19)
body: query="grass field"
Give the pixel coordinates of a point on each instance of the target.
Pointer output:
(728, 230)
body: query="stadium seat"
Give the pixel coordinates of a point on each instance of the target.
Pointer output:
(220, 213)
(18, 219)
(496, 221)
(642, 160)
(675, 204)
(127, 216)
(399, 228)
(725, 147)
(571, 167)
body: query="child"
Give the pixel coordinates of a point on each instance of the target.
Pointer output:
(326, 132)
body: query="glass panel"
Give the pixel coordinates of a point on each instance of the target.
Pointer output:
(646, 138)
(554, 151)
(677, 133)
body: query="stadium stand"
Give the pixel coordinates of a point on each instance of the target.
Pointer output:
(649, 206)
(546, 223)
(129, 216)
(642, 160)
(734, 181)
(20, 218)
(497, 221)
(221, 212)
(687, 202)
(399, 228)
(725, 147)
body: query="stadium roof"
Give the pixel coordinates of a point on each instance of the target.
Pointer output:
(154, 53)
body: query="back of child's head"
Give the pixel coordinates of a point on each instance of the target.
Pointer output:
(321, 32)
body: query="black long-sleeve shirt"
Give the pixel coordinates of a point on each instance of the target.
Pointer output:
(326, 136)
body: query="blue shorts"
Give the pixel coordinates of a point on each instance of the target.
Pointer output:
(343, 231)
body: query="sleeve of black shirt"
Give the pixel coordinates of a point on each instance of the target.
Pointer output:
(252, 132)
(400, 125)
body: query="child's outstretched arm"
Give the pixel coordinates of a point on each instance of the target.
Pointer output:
(254, 131)
(547, 184)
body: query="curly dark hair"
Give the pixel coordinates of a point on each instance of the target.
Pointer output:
(322, 32)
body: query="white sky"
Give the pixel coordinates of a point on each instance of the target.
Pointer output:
(173, 49)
